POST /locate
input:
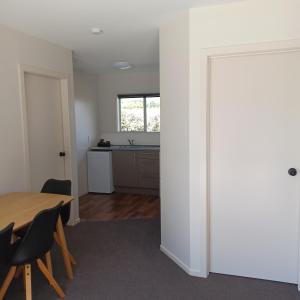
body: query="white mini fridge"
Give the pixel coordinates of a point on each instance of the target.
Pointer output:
(100, 178)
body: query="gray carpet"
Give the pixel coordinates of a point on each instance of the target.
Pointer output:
(121, 260)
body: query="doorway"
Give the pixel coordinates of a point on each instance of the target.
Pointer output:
(46, 126)
(45, 129)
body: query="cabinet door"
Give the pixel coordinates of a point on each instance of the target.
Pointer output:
(148, 169)
(125, 169)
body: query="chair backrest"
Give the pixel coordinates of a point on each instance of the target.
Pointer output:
(61, 187)
(38, 239)
(55, 186)
(5, 243)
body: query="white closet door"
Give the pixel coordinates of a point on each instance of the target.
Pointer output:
(45, 129)
(255, 140)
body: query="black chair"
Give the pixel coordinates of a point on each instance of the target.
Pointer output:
(5, 251)
(36, 243)
(60, 187)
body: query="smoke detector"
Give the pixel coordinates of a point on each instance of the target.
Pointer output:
(122, 65)
(96, 31)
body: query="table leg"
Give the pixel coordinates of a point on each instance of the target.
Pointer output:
(64, 248)
(56, 238)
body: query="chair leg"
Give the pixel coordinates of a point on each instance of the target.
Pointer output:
(7, 282)
(56, 238)
(27, 277)
(49, 262)
(50, 278)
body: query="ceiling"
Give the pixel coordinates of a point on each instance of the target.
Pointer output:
(130, 27)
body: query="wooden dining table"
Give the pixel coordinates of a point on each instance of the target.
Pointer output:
(21, 208)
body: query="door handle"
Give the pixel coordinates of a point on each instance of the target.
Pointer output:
(62, 154)
(292, 172)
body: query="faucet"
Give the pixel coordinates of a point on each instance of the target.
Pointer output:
(131, 142)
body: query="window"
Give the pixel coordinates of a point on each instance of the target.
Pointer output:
(139, 113)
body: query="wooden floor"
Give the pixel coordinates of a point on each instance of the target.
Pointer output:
(116, 206)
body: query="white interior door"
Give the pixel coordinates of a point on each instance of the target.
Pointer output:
(45, 129)
(254, 202)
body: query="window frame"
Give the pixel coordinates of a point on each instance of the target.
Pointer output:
(144, 96)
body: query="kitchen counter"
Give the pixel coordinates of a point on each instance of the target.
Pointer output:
(127, 148)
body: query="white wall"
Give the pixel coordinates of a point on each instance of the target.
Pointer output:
(18, 48)
(237, 23)
(174, 76)
(87, 121)
(124, 82)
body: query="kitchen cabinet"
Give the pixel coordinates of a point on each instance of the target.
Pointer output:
(136, 171)
(124, 169)
(148, 169)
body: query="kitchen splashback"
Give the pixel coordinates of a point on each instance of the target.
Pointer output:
(119, 138)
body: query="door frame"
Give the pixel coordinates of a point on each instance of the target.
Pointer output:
(200, 145)
(67, 139)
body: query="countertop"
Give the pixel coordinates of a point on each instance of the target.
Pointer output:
(127, 148)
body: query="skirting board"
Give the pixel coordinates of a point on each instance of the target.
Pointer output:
(188, 270)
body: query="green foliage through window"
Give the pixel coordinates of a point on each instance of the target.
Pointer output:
(139, 113)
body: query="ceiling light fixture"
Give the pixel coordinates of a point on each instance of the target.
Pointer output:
(97, 31)
(122, 65)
